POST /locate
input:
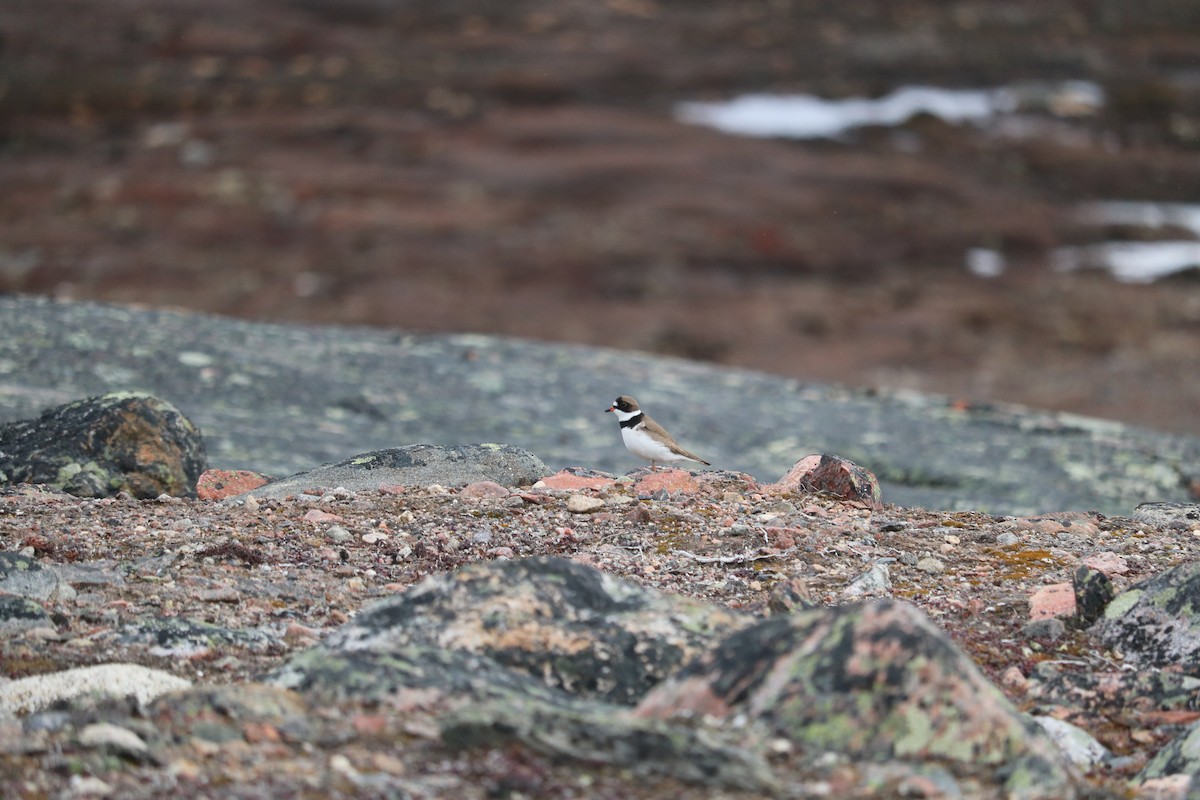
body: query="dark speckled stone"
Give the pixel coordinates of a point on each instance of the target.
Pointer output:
(98, 447)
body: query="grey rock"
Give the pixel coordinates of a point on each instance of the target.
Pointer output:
(417, 465)
(1050, 628)
(91, 573)
(1156, 622)
(120, 442)
(1078, 746)
(182, 637)
(20, 613)
(375, 675)
(508, 704)
(25, 576)
(188, 713)
(372, 386)
(875, 580)
(595, 734)
(338, 535)
(1109, 693)
(1182, 515)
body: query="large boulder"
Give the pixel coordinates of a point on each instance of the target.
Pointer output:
(1156, 622)
(122, 442)
(876, 682)
(561, 623)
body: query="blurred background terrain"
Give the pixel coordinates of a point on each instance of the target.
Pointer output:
(523, 168)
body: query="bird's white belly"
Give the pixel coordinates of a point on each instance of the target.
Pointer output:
(643, 446)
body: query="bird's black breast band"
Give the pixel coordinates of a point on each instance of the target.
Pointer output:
(632, 422)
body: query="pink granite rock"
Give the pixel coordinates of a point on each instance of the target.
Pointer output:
(484, 489)
(217, 484)
(671, 479)
(837, 476)
(1055, 600)
(577, 479)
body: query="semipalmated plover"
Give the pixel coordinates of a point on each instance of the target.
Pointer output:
(645, 438)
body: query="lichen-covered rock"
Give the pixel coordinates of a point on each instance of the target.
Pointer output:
(1093, 593)
(21, 613)
(837, 476)
(594, 733)
(876, 681)
(379, 675)
(1113, 693)
(183, 637)
(222, 713)
(1181, 516)
(1181, 756)
(26, 577)
(122, 442)
(418, 465)
(544, 650)
(1156, 622)
(566, 624)
(507, 705)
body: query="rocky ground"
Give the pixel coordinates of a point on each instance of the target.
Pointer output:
(517, 169)
(221, 593)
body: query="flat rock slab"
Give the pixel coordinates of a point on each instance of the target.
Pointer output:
(280, 399)
(417, 465)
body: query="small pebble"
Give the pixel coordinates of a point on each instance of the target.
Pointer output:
(582, 504)
(112, 737)
(374, 537)
(1014, 680)
(934, 566)
(874, 580)
(484, 490)
(1006, 538)
(1051, 628)
(337, 534)
(89, 786)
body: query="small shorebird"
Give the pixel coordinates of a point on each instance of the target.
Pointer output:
(645, 438)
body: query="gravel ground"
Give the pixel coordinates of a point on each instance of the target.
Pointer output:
(281, 573)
